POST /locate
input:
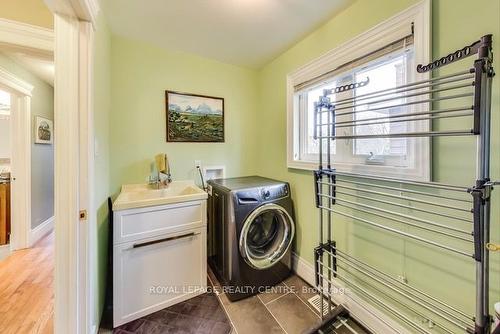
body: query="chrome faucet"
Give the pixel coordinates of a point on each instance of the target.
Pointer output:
(167, 174)
(161, 174)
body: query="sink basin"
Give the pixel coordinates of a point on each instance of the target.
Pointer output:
(143, 195)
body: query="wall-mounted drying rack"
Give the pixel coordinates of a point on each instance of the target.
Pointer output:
(446, 218)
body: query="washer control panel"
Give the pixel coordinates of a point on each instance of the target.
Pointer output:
(274, 192)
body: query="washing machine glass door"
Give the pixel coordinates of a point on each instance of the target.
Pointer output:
(266, 235)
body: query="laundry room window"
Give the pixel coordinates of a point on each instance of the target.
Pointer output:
(388, 58)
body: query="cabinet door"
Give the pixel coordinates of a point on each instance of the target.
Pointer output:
(155, 273)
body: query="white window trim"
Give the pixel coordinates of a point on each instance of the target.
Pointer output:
(375, 38)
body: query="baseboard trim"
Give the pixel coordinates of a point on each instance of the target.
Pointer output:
(4, 251)
(41, 230)
(365, 313)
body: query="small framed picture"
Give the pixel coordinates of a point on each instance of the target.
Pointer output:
(194, 118)
(44, 130)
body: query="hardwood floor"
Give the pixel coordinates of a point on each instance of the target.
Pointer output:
(26, 289)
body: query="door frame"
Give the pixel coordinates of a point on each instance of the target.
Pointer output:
(71, 43)
(20, 123)
(76, 231)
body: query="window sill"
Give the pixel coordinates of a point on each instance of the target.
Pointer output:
(413, 174)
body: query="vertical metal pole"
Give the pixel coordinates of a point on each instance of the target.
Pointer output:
(320, 255)
(485, 125)
(329, 222)
(479, 323)
(483, 74)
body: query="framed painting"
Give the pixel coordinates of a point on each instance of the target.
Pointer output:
(194, 118)
(44, 130)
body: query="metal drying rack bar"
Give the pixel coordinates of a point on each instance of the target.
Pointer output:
(450, 218)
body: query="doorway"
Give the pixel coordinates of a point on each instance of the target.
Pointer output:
(26, 188)
(26, 159)
(75, 302)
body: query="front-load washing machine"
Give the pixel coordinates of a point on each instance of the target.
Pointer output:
(250, 233)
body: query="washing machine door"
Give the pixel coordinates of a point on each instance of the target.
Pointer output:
(266, 236)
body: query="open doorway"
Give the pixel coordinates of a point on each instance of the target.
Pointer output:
(26, 187)
(70, 39)
(26, 149)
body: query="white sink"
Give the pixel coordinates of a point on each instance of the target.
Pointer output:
(143, 195)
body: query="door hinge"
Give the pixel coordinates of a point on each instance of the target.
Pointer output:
(83, 214)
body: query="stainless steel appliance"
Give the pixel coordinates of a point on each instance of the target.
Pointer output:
(251, 228)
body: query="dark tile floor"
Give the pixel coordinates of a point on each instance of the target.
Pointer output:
(284, 309)
(202, 314)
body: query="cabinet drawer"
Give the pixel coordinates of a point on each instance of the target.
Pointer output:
(136, 224)
(155, 273)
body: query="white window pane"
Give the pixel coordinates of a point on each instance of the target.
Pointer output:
(384, 73)
(312, 145)
(387, 74)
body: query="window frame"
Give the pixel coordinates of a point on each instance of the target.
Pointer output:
(416, 17)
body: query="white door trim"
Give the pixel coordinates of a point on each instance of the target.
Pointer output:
(76, 262)
(66, 136)
(88, 249)
(83, 10)
(27, 36)
(20, 121)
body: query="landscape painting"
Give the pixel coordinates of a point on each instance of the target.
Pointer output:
(194, 118)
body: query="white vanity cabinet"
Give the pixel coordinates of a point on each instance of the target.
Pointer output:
(159, 258)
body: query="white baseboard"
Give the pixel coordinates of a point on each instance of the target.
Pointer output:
(4, 251)
(366, 314)
(41, 230)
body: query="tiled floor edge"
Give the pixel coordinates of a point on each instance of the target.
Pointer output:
(235, 331)
(268, 310)
(275, 299)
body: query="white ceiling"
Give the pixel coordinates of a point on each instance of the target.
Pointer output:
(242, 32)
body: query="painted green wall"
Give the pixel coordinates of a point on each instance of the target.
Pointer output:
(130, 82)
(42, 156)
(102, 109)
(140, 75)
(455, 23)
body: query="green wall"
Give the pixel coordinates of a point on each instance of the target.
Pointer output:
(102, 109)
(130, 82)
(455, 23)
(140, 75)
